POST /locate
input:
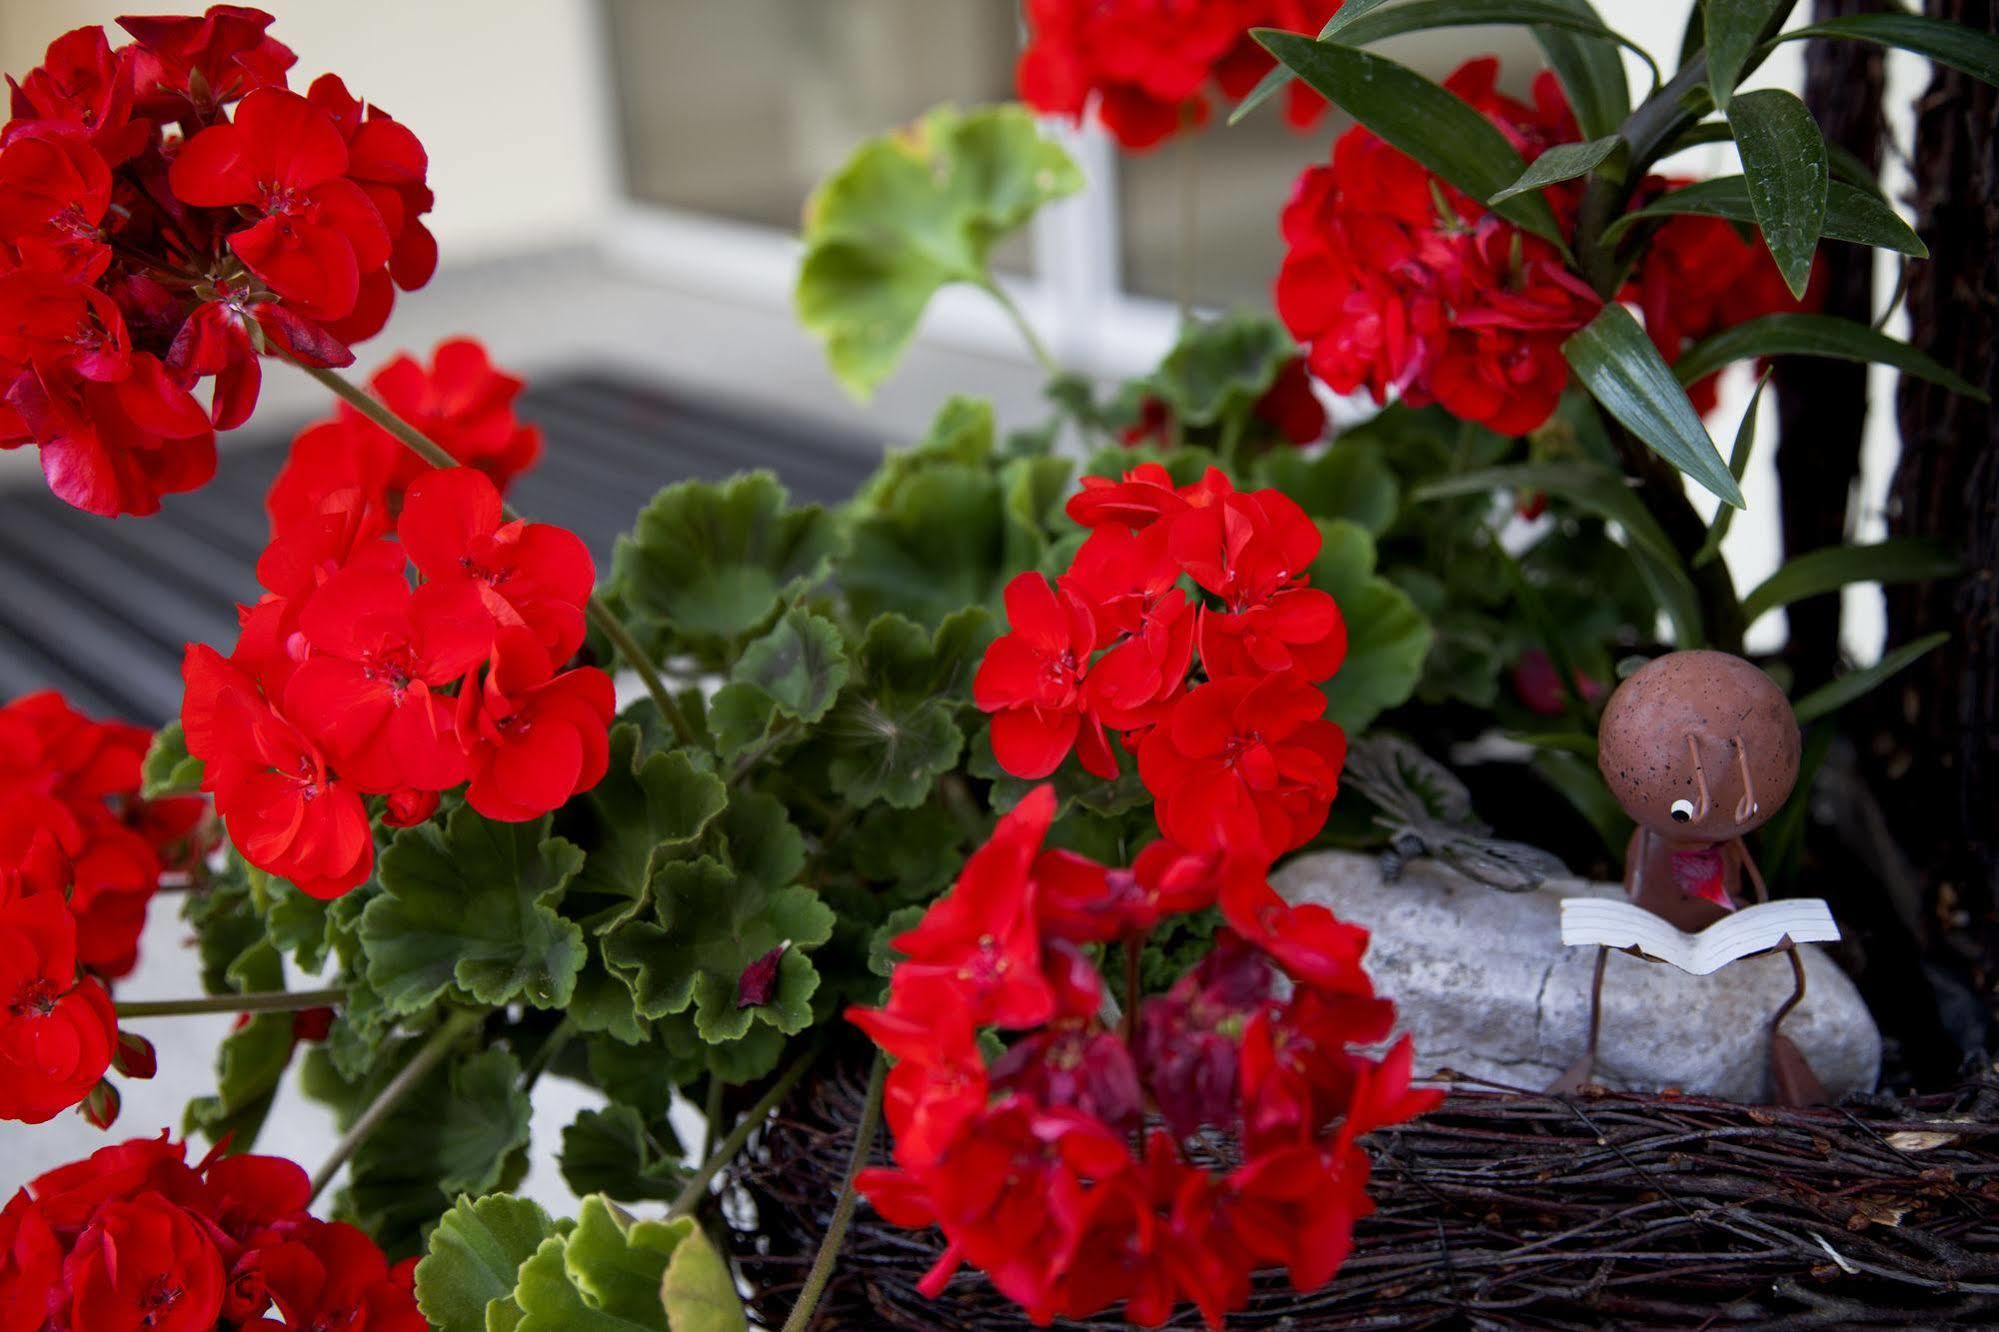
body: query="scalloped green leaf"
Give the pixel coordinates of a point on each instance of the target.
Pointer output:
(168, 769)
(799, 665)
(604, 1276)
(715, 560)
(699, 1291)
(474, 1259)
(617, 1152)
(470, 908)
(1388, 639)
(1350, 480)
(1219, 368)
(911, 212)
(939, 546)
(649, 805)
(250, 1062)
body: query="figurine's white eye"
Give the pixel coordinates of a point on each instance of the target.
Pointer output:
(1683, 810)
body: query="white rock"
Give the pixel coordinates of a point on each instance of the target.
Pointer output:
(1485, 987)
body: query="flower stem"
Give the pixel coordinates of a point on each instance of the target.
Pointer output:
(433, 453)
(267, 1001)
(843, 1210)
(404, 1082)
(697, 1186)
(1027, 333)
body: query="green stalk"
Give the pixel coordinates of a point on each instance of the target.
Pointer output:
(266, 1001)
(697, 1186)
(843, 1210)
(415, 1071)
(431, 452)
(1033, 340)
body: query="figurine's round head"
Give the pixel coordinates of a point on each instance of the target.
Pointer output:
(1699, 747)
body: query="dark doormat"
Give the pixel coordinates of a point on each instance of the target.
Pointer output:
(102, 608)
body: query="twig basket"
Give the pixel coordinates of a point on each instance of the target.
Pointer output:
(1513, 1210)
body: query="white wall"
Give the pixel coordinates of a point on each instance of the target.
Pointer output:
(511, 98)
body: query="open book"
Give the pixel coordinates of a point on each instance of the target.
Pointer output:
(1615, 924)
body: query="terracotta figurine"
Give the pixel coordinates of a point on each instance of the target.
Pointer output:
(1700, 748)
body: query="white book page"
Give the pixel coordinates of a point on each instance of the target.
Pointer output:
(1614, 924)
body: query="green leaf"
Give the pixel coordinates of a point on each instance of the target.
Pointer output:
(1388, 639)
(1829, 698)
(1734, 30)
(648, 807)
(471, 906)
(1738, 463)
(800, 665)
(1962, 48)
(1784, 163)
(1577, 781)
(699, 1291)
(1851, 214)
(1896, 560)
(475, 1256)
(1349, 480)
(1424, 120)
(1624, 372)
(604, 1276)
(1585, 59)
(913, 211)
(711, 917)
(251, 1061)
(939, 548)
(168, 769)
(1564, 161)
(716, 560)
(616, 1152)
(894, 732)
(1220, 368)
(461, 1131)
(1601, 491)
(1277, 78)
(1812, 335)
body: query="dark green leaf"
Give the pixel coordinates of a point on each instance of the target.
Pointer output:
(717, 559)
(1277, 78)
(647, 807)
(1962, 48)
(475, 1258)
(168, 769)
(1738, 463)
(1827, 699)
(801, 664)
(1220, 368)
(471, 906)
(1734, 30)
(913, 211)
(1784, 164)
(1590, 69)
(251, 1061)
(1624, 372)
(1349, 480)
(616, 1152)
(1577, 781)
(1851, 214)
(1897, 560)
(1565, 161)
(1419, 117)
(1387, 637)
(1811, 335)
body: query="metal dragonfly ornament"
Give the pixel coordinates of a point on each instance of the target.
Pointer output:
(1427, 812)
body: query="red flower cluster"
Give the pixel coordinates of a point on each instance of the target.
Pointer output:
(1242, 760)
(149, 238)
(133, 1238)
(340, 684)
(1150, 62)
(1027, 1163)
(461, 401)
(1398, 282)
(80, 858)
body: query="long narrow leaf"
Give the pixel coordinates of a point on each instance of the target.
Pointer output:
(1896, 560)
(1277, 78)
(1784, 163)
(1738, 463)
(1850, 214)
(1812, 335)
(1831, 697)
(1424, 15)
(1590, 70)
(1408, 111)
(1953, 44)
(1624, 372)
(1734, 28)
(1565, 161)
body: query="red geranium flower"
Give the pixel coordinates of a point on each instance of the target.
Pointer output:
(533, 738)
(54, 190)
(186, 66)
(1032, 680)
(144, 1266)
(57, 1033)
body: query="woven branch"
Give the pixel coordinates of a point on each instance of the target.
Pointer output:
(1513, 1210)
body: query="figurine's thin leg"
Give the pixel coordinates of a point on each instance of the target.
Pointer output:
(1579, 1072)
(1792, 1081)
